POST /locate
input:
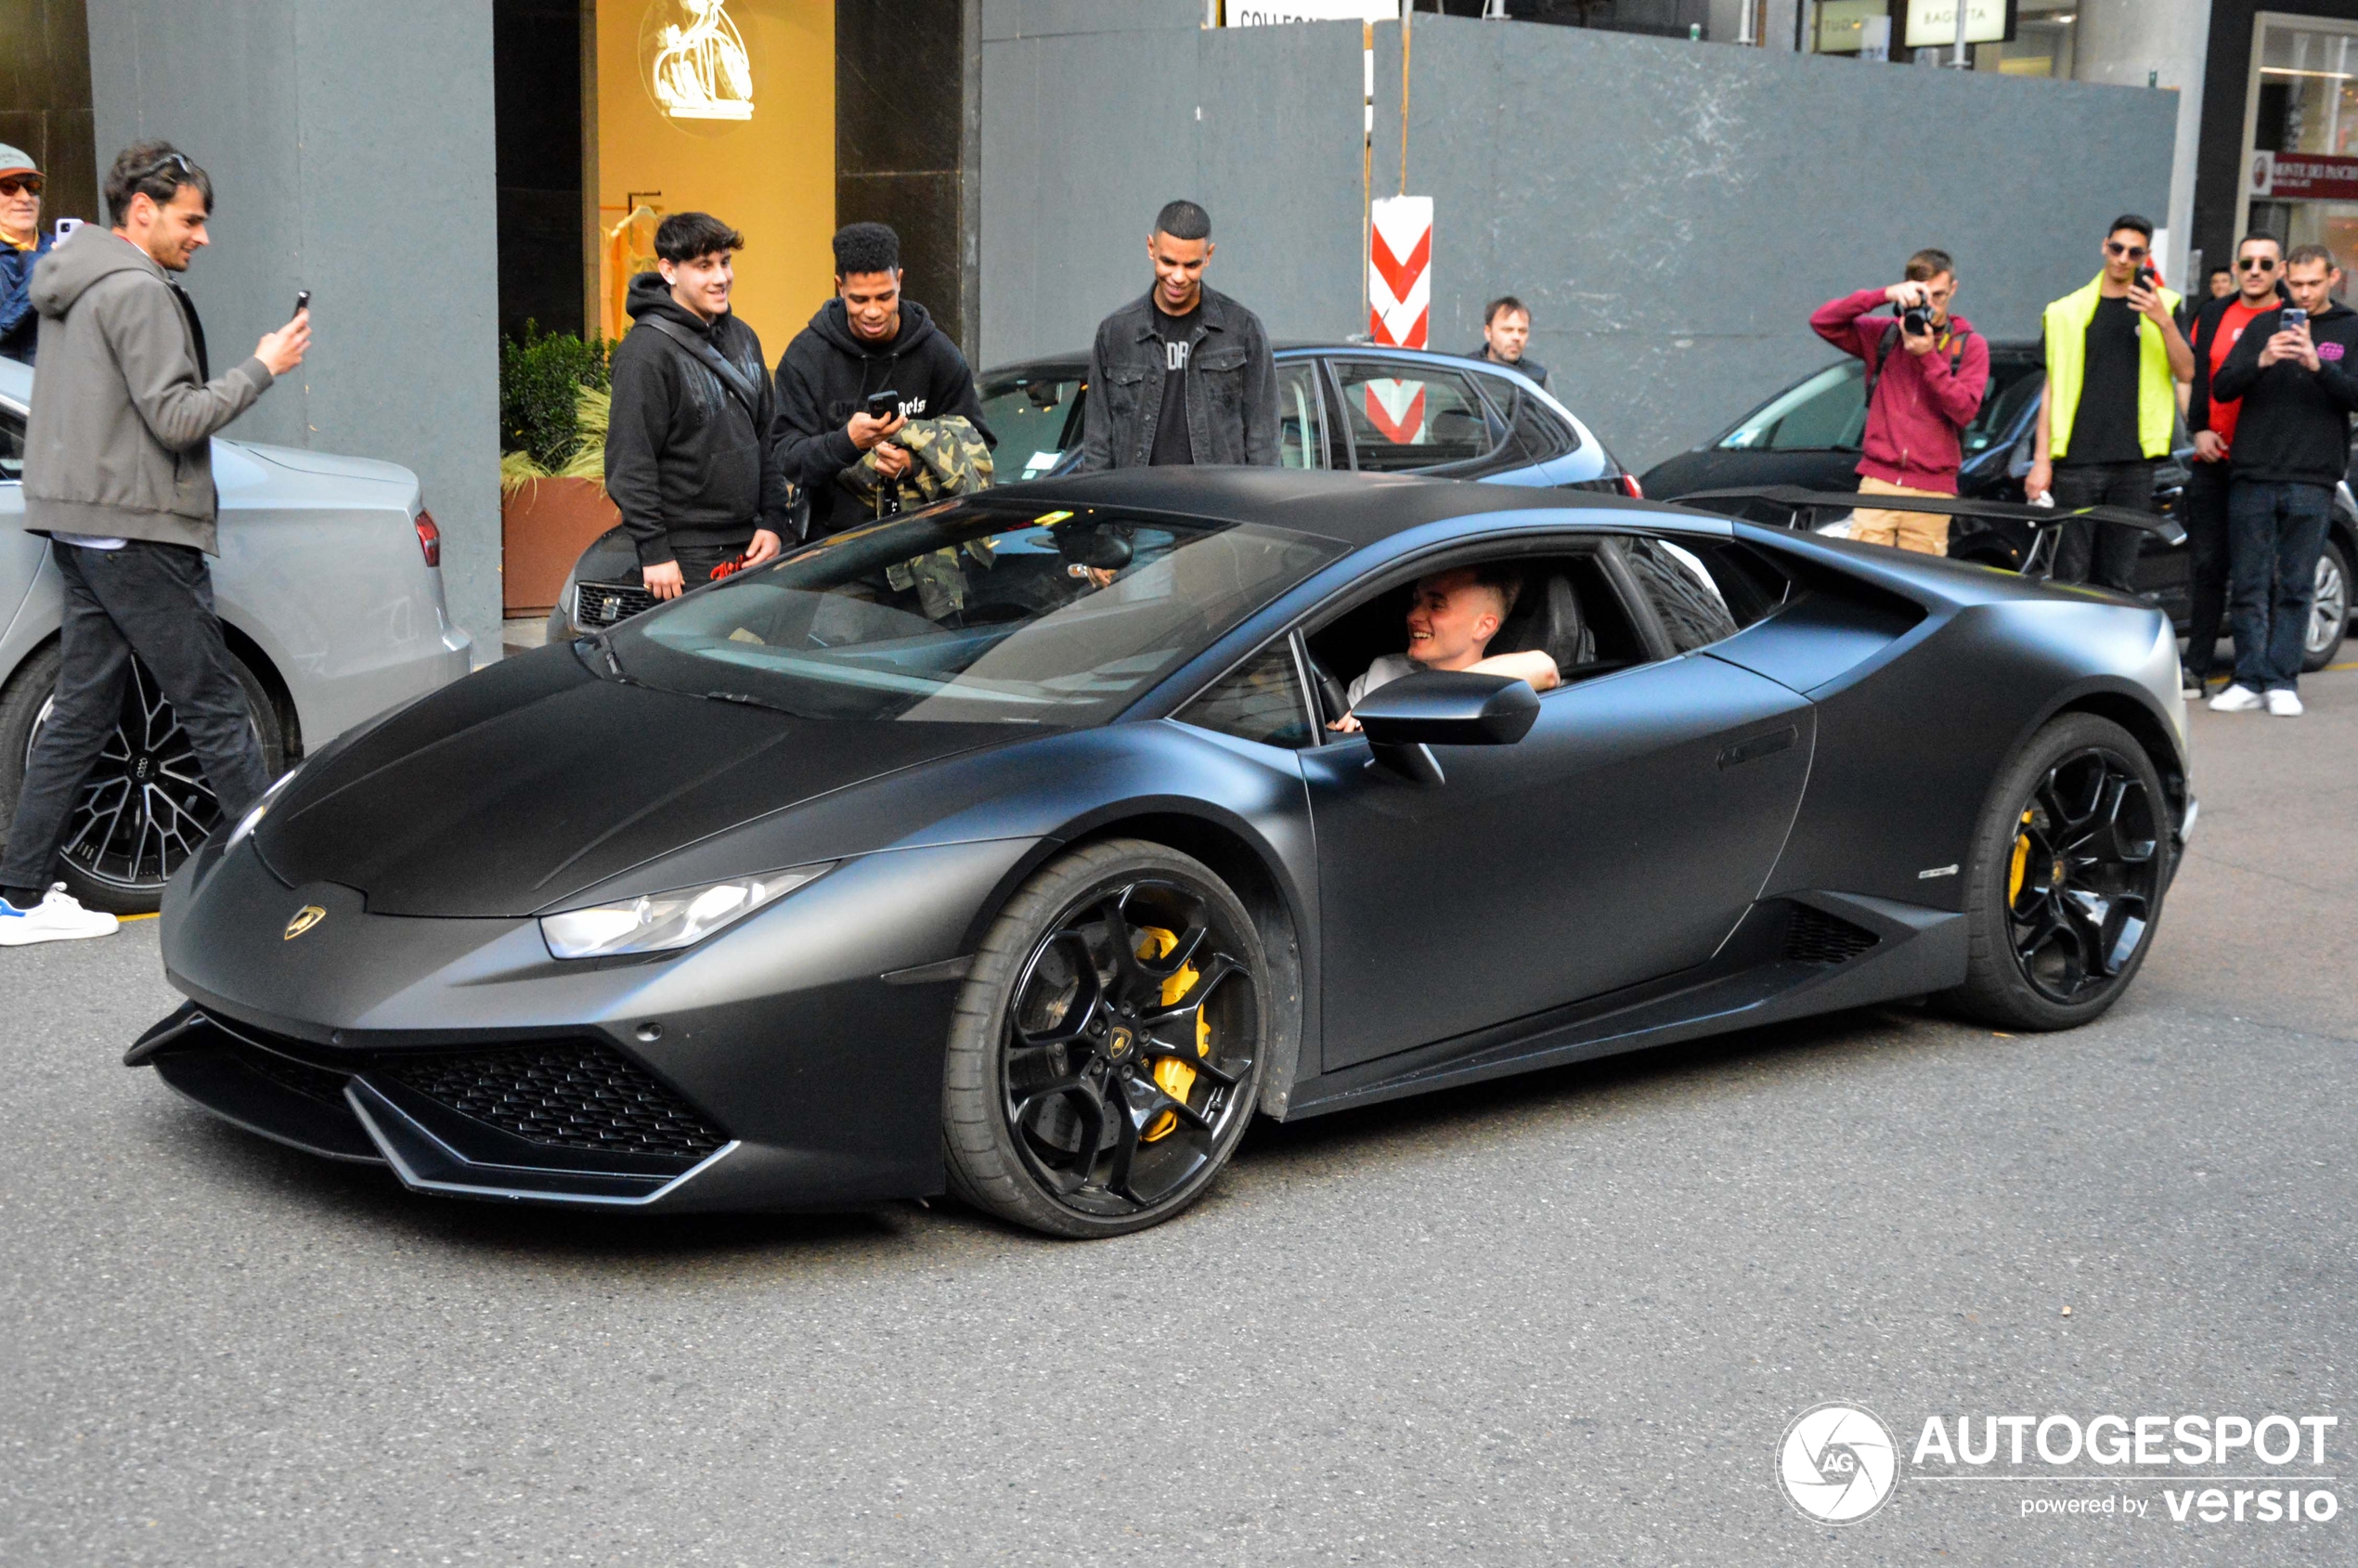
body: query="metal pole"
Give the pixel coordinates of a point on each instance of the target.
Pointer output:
(1963, 60)
(1367, 172)
(1407, 12)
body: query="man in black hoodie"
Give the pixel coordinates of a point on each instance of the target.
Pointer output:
(869, 338)
(689, 461)
(2292, 443)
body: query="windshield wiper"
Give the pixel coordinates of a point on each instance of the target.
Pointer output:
(744, 700)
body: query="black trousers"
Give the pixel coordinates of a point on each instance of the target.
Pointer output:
(2104, 553)
(2204, 513)
(154, 601)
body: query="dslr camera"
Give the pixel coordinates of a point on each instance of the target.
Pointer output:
(1916, 320)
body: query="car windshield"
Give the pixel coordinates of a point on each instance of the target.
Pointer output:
(1828, 411)
(1036, 419)
(968, 613)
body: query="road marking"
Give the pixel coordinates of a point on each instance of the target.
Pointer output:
(126, 919)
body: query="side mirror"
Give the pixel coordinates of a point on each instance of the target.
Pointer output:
(1449, 707)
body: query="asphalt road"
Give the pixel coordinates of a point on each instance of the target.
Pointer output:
(1566, 1318)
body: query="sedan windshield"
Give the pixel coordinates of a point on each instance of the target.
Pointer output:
(969, 613)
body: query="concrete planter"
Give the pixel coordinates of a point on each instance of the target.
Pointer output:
(544, 525)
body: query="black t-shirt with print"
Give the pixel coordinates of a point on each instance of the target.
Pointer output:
(2105, 428)
(1173, 444)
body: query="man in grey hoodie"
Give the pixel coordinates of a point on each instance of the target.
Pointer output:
(117, 473)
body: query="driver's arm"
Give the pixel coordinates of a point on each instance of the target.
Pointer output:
(1533, 665)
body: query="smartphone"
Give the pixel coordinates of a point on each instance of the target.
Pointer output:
(2294, 319)
(67, 226)
(303, 301)
(883, 405)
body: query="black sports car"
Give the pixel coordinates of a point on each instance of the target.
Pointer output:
(1005, 846)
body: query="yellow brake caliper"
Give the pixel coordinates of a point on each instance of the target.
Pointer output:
(2022, 858)
(1173, 1076)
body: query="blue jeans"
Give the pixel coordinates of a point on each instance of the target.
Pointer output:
(2275, 533)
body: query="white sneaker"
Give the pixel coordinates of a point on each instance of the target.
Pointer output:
(55, 919)
(2284, 703)
(2236, 699)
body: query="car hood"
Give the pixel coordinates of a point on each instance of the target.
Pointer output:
(508, 792)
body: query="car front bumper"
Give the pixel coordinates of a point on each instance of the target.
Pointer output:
(792, 1061)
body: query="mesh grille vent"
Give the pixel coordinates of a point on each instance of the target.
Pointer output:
(1815, 937)
(569, 1094)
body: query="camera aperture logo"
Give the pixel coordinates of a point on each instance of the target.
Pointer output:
(1838, 1463)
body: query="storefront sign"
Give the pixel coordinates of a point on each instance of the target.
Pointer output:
(1932, 24)
(1267, 13)
(697, 67)
(2304, 176)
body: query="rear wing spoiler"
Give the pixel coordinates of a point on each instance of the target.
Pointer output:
(1801, 508)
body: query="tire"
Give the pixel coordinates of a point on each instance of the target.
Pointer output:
(126, 873)
(2048, 952)
(1101, 1121)
(2329, 614)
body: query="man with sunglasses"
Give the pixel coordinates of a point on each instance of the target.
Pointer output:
(2217, 327)
(2115, 355)
(21, 246)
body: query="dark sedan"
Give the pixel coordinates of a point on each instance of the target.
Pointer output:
(1807, 436)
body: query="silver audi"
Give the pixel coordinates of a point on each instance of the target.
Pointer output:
(329, 590)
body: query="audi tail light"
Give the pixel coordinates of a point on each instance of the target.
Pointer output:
(1630, 487)
(429, 539)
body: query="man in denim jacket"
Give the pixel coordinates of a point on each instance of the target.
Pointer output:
(1181, 375)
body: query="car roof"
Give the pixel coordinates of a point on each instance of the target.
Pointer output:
(1353, 508)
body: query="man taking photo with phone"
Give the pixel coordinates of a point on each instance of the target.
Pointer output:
(688, 459)
(2293, 372)
(117, 473)
(868, 340)
(1926, 370)
(2115, 355)
(2219, 326)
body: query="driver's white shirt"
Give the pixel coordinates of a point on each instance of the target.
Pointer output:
(1387, 669)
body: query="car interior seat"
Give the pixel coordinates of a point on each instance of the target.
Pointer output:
(1548, 618)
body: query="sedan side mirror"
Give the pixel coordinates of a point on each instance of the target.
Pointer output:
(1449, 707)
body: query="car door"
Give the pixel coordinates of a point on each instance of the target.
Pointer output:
(1405, 416)
(1619, 840)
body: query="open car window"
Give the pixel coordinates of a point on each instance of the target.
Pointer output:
(1036, 418)
(969, 613)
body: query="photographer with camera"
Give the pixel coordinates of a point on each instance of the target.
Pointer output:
(2115, 355)
(1925, 373)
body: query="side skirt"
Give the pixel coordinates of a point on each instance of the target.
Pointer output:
(1791, 957)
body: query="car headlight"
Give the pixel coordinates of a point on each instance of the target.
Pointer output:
(658, 921)
(251, 820)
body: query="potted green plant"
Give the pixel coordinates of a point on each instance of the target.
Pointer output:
(553, 404)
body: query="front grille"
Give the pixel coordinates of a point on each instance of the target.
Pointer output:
(1815, 937)
(567, 1094)
(601, 604)
(301, 1077)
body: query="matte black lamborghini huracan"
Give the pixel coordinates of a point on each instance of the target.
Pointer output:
(1005, 846)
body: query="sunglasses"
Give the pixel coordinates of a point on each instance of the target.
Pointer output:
(2132, 253)
(2246, 264)
(30, 184)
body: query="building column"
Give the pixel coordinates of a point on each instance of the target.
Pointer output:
(2128, 41)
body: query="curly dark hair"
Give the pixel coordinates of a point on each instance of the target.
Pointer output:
(866, 247)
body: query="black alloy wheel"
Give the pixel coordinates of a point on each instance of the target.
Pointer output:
(2069, 867)
(1106, 1057)
(147, 805)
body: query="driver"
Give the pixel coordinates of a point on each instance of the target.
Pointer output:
(1452, 617)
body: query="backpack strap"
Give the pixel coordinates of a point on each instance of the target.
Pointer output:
(1890, 341)
(732, 376)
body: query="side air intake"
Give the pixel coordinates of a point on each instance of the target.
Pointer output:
(1815, 937)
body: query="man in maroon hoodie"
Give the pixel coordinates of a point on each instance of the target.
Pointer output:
(1924, 387)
